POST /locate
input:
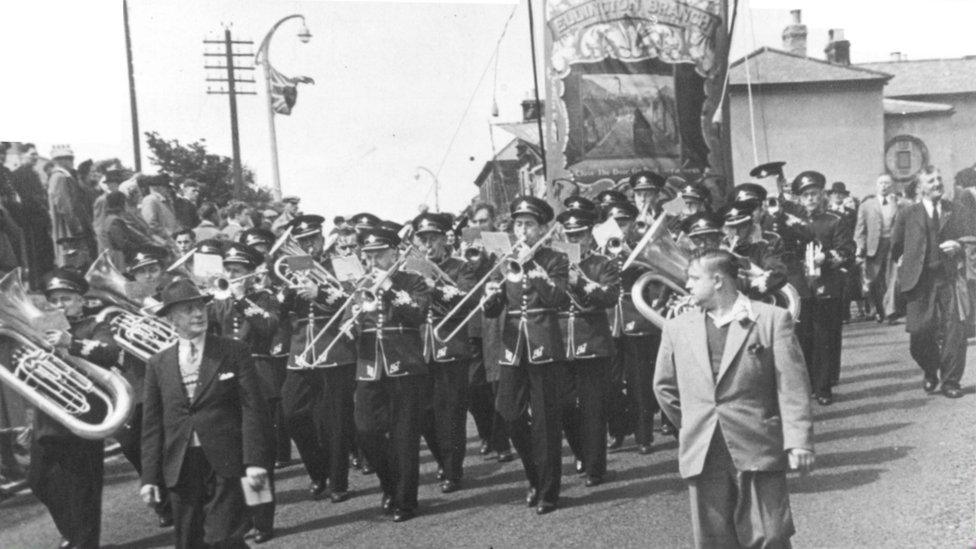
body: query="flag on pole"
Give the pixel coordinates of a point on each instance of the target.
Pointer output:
(284, 90)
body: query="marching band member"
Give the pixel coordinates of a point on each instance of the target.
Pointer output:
(704, 231)
(593, 287)
(696, 199)
(259, 238)
(763, 250)
(249, 314)
(206, 425)
(486, 343)
(447, 361)
(66, 471)
(638, 338)
(146, 266)
(821, 321)
(391, 373)
(648, 187)
(309, 307)
(530, 366)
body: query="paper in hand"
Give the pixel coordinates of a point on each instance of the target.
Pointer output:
(348, 268)
(254, 497)
(605, 231)
(497, 242)
(571, 249)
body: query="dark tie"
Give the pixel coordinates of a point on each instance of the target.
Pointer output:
(935, 215)
(884, 201)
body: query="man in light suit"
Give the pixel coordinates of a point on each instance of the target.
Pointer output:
(872, 234)
(205, 425)
(927, 236)
(732, 379)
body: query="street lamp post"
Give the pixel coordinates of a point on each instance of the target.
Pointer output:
(437, 186)
(262, 57)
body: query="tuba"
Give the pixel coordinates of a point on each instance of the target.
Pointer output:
(136, 333)
(666, 263)
(63, 387)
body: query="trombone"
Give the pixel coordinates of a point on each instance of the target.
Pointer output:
(513, 261)
(364, 294)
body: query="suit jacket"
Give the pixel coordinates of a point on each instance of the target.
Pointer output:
(761, 397)
(157, 210)
(584, 324)
(867, 231)
(908, 239)
(228, 412)
(530, 306)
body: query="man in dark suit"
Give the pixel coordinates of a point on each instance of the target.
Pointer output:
(731, 377)
(206, 424)
(926, 238)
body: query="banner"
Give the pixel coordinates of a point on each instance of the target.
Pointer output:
(632, 85)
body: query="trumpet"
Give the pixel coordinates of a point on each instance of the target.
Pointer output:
(616, 246)
(134, 330)
(63, 387)
(362, 295)
(510, 261)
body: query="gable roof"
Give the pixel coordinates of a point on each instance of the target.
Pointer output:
(928, 76)
(900, 107)
(772, 66)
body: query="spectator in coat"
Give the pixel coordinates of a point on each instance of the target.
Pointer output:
(209, 226)
(185, 204)
(238, 220)
(157, 208)
(37, 231)
(67, 199)
(116, 234)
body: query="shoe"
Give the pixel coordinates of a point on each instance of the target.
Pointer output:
(930, 385)
(668, 429)
(580, 469)
(531, 497)
(316, 490)
(449, 486)
(441, 475)
(262, 537)
(386, 504)
(164, 521)
(485, 448)
(367, 468)
(593, 480)
(400, 515)
(505, 457)
(615, 443)
(825, 400)
(951, 391)
(644, 449)
(339, 497)
(880, 318)
(282, 463)
(545, 508)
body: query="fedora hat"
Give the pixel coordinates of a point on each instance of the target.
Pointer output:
(180, 291)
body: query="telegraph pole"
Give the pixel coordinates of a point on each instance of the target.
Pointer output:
(136, 140)
(231, 80)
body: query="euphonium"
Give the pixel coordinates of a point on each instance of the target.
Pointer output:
(63, 387)
(317, 274)
(136, 333)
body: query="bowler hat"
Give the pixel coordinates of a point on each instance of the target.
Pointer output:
(182, 290)
(838, 187)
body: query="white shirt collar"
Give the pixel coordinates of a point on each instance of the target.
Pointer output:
(197, 341)
(929, 205)
(741, 310)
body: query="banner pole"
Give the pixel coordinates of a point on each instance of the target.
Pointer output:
(535, 82)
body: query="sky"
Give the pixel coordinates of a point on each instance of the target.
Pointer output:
(394, 82)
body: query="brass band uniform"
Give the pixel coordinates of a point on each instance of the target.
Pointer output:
(532, 352)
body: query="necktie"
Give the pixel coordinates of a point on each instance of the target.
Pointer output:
(193, 353)
(935, 215)
(884, 201)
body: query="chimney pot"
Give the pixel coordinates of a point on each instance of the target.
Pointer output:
(795, 36)
(838, 50)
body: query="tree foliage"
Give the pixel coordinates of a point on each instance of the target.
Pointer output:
(214, 172)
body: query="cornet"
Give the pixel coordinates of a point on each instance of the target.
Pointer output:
(63, 387)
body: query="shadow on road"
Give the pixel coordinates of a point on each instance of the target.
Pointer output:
(858, 432)
(874, 456)
(822, 415)
(828, 482)
(902, 373)
(877, 391)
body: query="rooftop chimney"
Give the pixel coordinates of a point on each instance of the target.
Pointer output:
(795, 36)
(838, 50)
(897, 56)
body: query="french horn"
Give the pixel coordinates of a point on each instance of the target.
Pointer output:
(136, 333)
(66, 388)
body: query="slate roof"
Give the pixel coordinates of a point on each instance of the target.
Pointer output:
(772, 66)
(928, 76)
(900, 107)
